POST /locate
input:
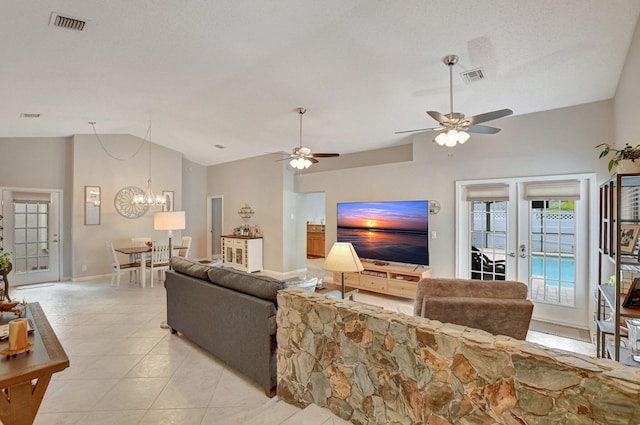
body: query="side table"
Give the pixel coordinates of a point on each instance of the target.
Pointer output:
(24, 378)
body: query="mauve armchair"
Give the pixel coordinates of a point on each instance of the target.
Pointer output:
(498, 307)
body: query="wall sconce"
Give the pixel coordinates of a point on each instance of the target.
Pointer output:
(246, 212)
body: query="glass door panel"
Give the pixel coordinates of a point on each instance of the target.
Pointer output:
(552, 259)
(488, 236)
(31, 237)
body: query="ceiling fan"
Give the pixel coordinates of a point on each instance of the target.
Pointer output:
(301, 157)
(454, 127)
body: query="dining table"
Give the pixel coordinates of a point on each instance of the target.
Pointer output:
(143, 251)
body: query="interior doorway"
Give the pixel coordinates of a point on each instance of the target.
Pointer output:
(214, 226)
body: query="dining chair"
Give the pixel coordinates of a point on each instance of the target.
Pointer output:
(159, 261)
(135, 242)
(117, 267)
(186, 242)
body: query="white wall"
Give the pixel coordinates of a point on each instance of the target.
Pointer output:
(41, 163)
(627, 104)
(259, 182)
(311, 207)
(194, 203)
(553, 142)
(92, 166)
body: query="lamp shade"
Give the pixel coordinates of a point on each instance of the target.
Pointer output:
(169, 220)
(342, 258)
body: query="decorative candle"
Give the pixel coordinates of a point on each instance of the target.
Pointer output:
(17, 334)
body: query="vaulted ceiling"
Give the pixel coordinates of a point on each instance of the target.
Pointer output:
(232, 72)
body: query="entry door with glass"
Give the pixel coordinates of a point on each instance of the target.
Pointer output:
(31, 232)
(532, 230)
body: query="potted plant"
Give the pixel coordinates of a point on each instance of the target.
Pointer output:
(622, 157)
(5, 263)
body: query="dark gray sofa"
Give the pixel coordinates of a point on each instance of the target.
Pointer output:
(230, 313)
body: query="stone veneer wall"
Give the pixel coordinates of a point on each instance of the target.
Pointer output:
(371, 366)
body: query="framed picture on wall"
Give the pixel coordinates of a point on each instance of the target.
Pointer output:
(632, 300)
(91, 205)
(628, 237)
(168, 196)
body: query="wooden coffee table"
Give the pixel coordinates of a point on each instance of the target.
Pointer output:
(25, 377)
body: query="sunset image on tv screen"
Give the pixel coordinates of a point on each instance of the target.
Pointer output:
(390, 231)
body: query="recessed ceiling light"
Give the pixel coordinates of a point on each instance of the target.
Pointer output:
(29, 115)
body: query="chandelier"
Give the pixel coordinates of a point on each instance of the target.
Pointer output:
(149, 198)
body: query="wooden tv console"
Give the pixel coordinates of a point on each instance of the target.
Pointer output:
(392, 279)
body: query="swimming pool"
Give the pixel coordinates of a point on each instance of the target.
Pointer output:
(557, 268)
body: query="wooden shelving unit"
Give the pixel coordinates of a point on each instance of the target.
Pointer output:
(619, 205)
(391, 279)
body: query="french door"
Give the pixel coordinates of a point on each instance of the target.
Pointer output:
(32, 234)
(534, 230)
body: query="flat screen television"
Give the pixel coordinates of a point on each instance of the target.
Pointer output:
(392, 231)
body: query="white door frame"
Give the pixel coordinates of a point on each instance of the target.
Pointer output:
(57, 215)
(462, 230)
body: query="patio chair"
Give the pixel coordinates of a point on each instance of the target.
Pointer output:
(483, 268)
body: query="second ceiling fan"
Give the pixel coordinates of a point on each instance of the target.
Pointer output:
(301, 157)
(454, 126)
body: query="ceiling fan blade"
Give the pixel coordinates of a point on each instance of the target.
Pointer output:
(420, 129)
(324, 155)
(488, 116)
(442, 119)
(312, 159)
(482, 129)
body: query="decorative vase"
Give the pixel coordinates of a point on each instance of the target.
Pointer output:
(628, 166)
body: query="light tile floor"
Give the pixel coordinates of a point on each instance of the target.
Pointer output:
(124, 369)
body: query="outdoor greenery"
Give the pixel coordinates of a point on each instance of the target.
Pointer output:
(627, 152)
(5, 260)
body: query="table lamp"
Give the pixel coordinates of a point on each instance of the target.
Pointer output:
(169, 220)
(342, 258)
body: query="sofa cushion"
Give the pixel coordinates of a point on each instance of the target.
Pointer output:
(190, 268)
(259, 286)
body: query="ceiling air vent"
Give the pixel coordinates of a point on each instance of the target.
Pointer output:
(219, 146)
(473, 75)
(29, 115)
(66, 22)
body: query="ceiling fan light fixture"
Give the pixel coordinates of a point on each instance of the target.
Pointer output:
(441, 138)
(452, 137)
(300, 163)
(463, 136)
